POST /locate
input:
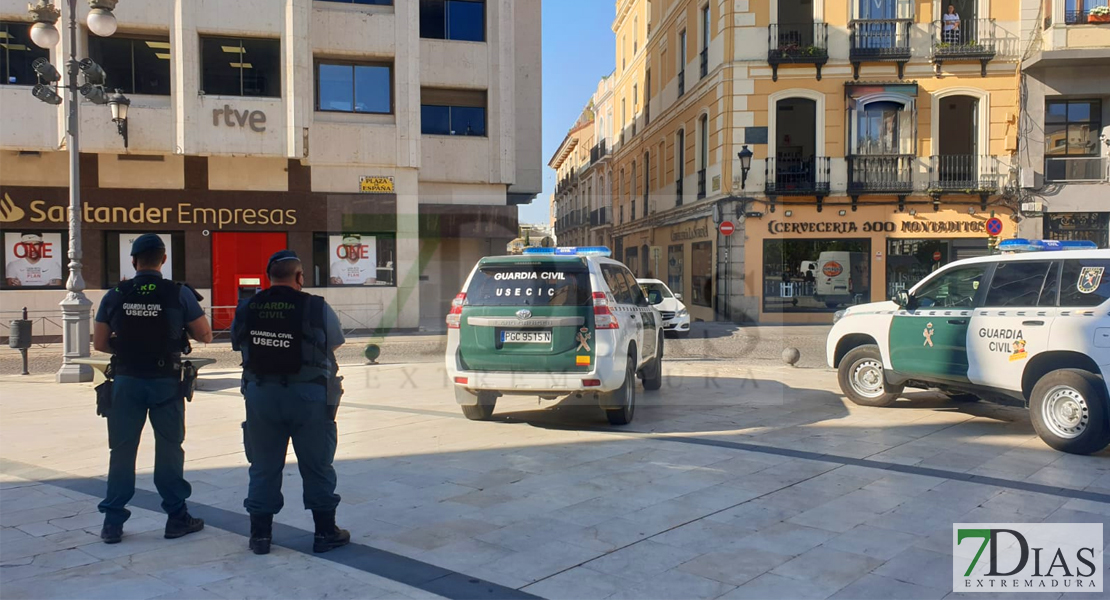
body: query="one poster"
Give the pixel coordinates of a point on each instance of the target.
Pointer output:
(33, 259)
(354, 259)
(127, 270)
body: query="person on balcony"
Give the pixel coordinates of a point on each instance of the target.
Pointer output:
(952, 26)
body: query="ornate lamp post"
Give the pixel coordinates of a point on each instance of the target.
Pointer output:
(76, 307)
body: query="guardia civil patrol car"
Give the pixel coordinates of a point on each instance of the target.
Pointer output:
(553, 323)
(1032, 324)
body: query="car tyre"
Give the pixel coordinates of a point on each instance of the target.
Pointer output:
(653, 373)
(626, 395)
(483, 410)
(861, 378)
(1068, 410)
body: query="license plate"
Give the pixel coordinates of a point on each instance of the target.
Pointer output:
(525, 337)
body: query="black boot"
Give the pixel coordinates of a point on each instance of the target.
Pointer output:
(261, 533)
(328, 536)
(111, 533)
(182, 524)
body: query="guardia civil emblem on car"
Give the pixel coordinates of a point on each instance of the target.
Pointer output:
(524, 314)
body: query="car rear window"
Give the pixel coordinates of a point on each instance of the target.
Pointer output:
(1085, 282)
(530, 285)
(656, 293)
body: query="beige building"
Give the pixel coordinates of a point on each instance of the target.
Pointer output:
(880, 138)
(388, 143)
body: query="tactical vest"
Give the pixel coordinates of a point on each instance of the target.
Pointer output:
(282, 336)
(149, 324)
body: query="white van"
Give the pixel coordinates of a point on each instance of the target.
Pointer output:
(841, 277)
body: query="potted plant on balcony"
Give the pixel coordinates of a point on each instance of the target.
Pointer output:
(1099, 14)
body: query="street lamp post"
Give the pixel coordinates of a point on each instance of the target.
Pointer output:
(76, 307)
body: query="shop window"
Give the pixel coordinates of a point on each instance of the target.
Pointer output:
(17, 52)
(815, 275)
(241, 67)
(117, 256)
(134, 65)
(675, 265)
(910, 261)
(462, 20)
(453, 112)
(701, 266)
(354, 259)
(34, 260)
(354, 87)
(1084, 282)
(1021, 283)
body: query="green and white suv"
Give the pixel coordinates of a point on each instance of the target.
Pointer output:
(1033, 327)
(553, 323)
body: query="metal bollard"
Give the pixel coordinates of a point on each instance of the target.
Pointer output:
(19, 337)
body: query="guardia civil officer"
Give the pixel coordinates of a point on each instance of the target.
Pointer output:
(143, 323)
(288, 339)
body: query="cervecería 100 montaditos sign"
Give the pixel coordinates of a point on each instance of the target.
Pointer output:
(780, 227)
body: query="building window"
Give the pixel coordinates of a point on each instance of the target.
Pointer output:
(360, 88)
(1092, 226)
(675, 264)
(632, 257)
(17, 52)
(460, 20)
(241, 67)
(354, 259)
(34, 260)
(1071, 133)
(453, 112)
(635, 35)
(134, 65)
(701, 265)
(117, 256)
(815, 275)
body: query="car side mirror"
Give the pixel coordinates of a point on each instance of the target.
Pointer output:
(678, 297)
(902, 299)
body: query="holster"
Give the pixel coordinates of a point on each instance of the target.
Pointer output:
(188, 380)
(104, 391)
(335, 394)
(247, 442)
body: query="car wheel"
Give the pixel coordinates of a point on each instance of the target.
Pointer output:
(1068, 410)
(625, 395)
(962, 397)
(653, 373)
(483, 410)
(861, 378)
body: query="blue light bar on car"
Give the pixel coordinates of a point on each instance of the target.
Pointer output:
(571, 251)
(1021, 245)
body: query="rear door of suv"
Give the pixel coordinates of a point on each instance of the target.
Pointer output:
(529, 315)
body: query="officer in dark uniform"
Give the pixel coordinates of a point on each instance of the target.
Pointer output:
(143, 323)
(288, 340)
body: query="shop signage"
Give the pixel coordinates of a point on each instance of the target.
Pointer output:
(255, 119)
(780, 227)
(376, 185)
(180, 213)
(692, 232)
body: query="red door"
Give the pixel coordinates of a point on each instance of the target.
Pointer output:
(239, 270)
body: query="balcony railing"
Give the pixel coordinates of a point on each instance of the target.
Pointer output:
(880, 40)
(797, 43)
(1076, 169)
(788, 176)
(701, 184)
(1082, 14)
(600, 217)
(704, 62)
(681, 83)
(973, 40)
(881, 173)
(678, 192)
(599, 151)
(966, 173)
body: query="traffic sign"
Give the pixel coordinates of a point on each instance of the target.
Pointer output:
(994, 226)
(727, 228)
(936, 256)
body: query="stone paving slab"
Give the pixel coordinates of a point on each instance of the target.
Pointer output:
(735, 481)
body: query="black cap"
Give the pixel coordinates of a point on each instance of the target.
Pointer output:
(145, 242)
(281, 256)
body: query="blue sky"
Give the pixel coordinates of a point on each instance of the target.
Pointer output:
(578, 50)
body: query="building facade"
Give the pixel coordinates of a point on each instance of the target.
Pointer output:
(388, 143)
(881, 139)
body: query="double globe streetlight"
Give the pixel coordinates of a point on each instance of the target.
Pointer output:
(76, 307)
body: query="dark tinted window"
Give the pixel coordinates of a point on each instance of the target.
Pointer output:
(136, 66)
(1084, 283)
(241, 67)
(435, 120)
(363, 88)
(453, 120)
(546, 284)
(638, 297)
(463, 20)
(1017, 283)
(955, 288)
(17, 52)
(618, 286)
(1051, 290)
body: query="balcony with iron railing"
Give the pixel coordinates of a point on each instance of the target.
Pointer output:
(601, 217)
(678, 192)
(881, 173)
(963, 174)
(599, 151)
(701, 184)
(1087, 11)
(973, 39)
(1076, 169)
(797, 43)
(789, 176)
(880, 40)
(681, 83)
(704, 62)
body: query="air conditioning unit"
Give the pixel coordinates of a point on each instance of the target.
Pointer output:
(1032, 209)
(1028, 178)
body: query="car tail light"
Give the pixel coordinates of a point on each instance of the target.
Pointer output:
(603, 317)
(591, 383)
(462, 380)
(454, 318)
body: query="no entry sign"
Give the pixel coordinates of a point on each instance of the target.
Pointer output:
(994, 226)
(727, 228)
(936, 256)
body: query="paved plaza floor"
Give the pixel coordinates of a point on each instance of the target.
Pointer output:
(736, 480)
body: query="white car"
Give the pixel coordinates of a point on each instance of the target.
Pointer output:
(676, 319)
(553, 323)
(1032, 327)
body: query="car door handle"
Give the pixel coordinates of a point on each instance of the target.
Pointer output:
(1032, 323)
(957, 321)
